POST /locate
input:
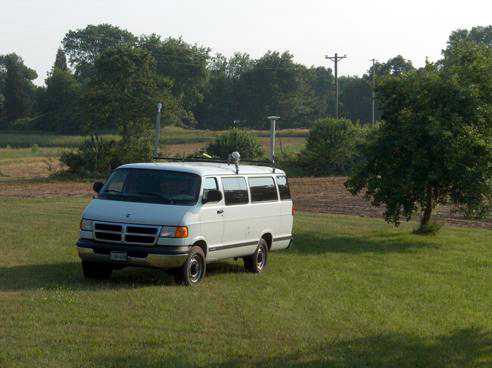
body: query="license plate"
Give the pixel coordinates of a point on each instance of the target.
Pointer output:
(118, 256)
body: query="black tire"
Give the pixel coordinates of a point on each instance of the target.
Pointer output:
(193, 271)
(257, 262)
(96, 270)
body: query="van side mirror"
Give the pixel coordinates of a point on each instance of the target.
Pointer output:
(212, 196)
(97, 186)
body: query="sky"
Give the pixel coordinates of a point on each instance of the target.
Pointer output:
(309, 29)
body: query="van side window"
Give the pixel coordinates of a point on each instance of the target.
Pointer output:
(210, 184)
(235, 191)
(262, 189)
(283, 187)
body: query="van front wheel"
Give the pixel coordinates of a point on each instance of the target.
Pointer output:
(257, 262)
(193, 271)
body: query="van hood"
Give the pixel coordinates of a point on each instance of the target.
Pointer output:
(135, 212)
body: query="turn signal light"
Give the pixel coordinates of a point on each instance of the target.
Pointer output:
(181, 232)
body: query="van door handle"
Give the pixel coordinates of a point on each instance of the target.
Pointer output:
(220, 212)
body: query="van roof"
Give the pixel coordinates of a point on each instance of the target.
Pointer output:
(204, 168)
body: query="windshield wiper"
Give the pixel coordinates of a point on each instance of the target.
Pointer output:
(154, 195)
(149, 194)
(115, 193)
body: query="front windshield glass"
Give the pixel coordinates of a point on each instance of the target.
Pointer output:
(152, 186)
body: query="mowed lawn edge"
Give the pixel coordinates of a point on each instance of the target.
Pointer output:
(352, 292)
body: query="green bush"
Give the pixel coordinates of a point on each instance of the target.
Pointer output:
(238, 140)
(331, 148)
(97, 157)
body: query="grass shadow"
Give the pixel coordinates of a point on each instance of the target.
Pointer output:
(306, 243)
(69, 275)
(223, 267)
(469, 347)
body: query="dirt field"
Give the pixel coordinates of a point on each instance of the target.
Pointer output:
(325, 195)
(328, 195)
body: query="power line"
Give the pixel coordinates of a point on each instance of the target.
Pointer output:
(336, 59)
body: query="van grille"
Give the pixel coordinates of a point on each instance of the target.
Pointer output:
(126, 233)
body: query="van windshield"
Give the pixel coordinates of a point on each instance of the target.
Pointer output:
(152, 186)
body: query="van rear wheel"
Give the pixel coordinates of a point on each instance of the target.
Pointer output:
(96, 270)
(193, 271)
(257, 262)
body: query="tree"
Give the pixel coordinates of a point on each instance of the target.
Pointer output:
(61, 60)
(18, 90)
(60, 103)
(356, 93)
(271, 86)
(394, 66)
(355, 99)
(219, 106)
(84, 46)
(330, 147)
(435, 144)
(124, 91)
(61, 108)
(477, 35)
(184, 64)
(321, 82)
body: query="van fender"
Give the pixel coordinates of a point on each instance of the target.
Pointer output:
(268, 235)
(203, 243)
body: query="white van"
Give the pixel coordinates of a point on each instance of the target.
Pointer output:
(180, 216)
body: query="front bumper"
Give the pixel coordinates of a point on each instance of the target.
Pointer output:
(163, 256)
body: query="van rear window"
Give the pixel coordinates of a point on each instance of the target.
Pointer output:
(283, 187)
(235, 191)
(262, 189)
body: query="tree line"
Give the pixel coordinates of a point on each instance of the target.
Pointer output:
(197, 89)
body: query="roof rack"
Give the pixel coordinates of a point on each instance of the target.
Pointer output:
(231, 160)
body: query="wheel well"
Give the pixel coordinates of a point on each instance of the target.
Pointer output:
(268, 239)
(203, 245)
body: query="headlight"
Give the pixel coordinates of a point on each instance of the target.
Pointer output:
(174, 232)
(86, 225)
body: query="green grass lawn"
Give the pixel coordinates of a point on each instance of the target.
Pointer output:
(352, 292)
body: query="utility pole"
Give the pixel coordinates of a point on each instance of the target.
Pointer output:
(336, 59)
(373, 91)
(157, 130)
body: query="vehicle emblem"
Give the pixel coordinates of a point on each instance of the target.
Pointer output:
(127, 215)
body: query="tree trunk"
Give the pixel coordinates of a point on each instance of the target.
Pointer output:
(426, 216)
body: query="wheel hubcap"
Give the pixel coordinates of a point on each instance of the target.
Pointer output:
(260, 259)
(195, 269)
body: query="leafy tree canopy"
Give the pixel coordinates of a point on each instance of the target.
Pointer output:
(435, 143)
(125, 90)
(477, 35)
(61, 60)
(18, 89)
(184, 64)
(61, 107)
(272, 85)
(83, 46)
